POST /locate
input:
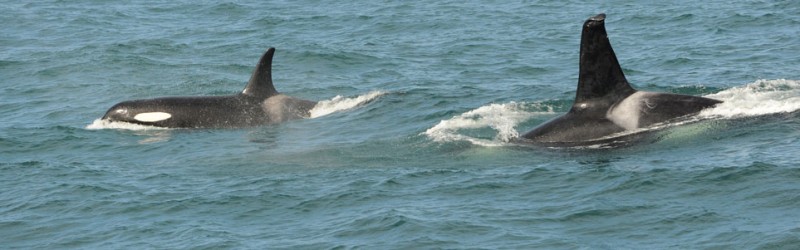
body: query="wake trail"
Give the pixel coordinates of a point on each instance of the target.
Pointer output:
(340, 103)
(500, 117)
(762, 97)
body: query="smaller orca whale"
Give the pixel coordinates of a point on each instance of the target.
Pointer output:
(258, 104)
(605, 103)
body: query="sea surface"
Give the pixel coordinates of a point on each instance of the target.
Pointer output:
(412, 145)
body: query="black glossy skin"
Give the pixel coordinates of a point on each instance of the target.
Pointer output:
(258, 104)
(601, 88)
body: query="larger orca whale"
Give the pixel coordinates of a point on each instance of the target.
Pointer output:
(258, 104)
(605, 103)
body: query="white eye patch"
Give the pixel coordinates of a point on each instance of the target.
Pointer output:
(152, 116)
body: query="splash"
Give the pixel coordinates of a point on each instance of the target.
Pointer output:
(761, 97)
(106, 124)
(501, 117)
(339, 103)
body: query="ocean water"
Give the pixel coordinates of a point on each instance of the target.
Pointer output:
(409, 147)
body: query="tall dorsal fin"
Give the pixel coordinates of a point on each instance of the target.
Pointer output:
(260, 84)
(600, 74)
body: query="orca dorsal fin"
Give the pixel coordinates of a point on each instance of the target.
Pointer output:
(600, 75)
(260, 84)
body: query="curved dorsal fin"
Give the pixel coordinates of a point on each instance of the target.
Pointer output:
(600, 75)
(260, 84)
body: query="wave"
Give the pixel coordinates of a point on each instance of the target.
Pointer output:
(106, 124)
(339, 103)
(500, 117)
(762, 97)
(325, 107)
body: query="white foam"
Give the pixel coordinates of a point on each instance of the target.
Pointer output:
(339, 103)
(106, 124)
(761, 97)
(501, 117)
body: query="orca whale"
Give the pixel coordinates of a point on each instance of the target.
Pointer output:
(258, 104)
(605, 103)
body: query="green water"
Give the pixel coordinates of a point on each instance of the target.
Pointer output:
(424, 165)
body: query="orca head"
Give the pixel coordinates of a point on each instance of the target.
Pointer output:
(601, 82)
(137, 111)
